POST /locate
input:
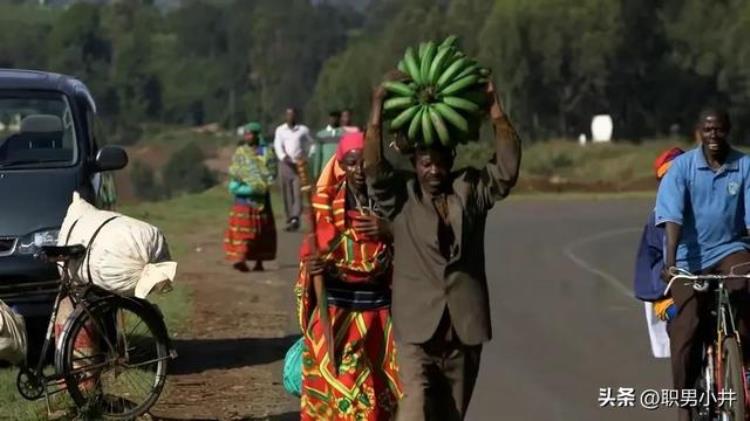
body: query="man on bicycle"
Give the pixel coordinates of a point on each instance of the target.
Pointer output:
(702, 203)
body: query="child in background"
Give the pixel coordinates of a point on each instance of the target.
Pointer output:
(648, 285)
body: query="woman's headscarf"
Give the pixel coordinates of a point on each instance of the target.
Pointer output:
(256, 128)
(664, 161)
(333, 173)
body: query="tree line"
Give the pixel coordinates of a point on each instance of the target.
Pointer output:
(651, 64)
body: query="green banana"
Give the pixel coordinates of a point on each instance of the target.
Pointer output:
(460, 85)
(398, 88)
(437, 64)
(461, 103)
(398, 103)
(452, 116)
(427, 126)
(439, 125)
(411, 65)
(415, 123)
(426, 62)
(443, 97)
(468, 70)
(449, 41)
(422, 49)
(405, 116)
(454, 68)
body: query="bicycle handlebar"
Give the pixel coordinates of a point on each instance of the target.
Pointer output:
(700, 282)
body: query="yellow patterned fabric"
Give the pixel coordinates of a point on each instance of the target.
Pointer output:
(661, 306)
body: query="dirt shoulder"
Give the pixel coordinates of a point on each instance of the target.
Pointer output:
(230, 361)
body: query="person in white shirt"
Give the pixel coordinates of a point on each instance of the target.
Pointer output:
(291, 142)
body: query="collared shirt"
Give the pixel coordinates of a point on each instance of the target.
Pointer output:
(709, 205)
(292, 142)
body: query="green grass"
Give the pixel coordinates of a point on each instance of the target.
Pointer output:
(161, 135)
(12, 404)
(615, 164)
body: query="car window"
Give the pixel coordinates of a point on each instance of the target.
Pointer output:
(36, 130)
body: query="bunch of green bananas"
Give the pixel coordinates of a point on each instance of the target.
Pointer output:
(443, 98)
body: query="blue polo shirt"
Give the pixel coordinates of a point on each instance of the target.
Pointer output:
(709, 205)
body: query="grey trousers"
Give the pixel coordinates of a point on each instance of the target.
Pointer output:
(290, 190)
(438, 379)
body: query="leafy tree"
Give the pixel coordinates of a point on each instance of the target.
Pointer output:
(78, 45)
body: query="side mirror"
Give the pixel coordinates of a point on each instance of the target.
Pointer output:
(110, 158)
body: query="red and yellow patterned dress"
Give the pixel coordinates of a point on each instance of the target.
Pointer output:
(358, 290)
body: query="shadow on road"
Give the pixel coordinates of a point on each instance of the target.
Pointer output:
(198, 355)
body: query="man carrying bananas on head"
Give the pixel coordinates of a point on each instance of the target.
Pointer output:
(440, 305)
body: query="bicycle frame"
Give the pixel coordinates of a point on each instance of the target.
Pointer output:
(725, 327)
(78, 295)
(75, 294)
(725, 323)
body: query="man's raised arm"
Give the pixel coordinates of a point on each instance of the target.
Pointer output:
(503, 168)
(375, 163)
(385, 185)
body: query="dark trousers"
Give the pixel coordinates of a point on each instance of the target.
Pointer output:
(690, 328)
(438, 376)
(290, 190)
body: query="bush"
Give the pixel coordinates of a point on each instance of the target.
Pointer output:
(127, 134)
(186, 173)
(144, 182)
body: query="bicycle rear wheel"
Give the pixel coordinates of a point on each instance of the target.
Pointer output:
(113, 358)
(733, 385)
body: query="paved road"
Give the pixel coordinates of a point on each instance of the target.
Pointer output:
(565, 322)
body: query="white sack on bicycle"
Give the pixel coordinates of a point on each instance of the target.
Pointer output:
(12, 335)
(128, 256)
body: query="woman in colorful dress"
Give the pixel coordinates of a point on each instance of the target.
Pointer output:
(351, 250)
(251, 235)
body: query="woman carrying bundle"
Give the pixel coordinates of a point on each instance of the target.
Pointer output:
(252, 232)
(351, 250)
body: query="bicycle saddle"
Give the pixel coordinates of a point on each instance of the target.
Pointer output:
(63, 253)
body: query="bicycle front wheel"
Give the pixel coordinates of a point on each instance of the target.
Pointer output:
(733, 407)
(113, 357)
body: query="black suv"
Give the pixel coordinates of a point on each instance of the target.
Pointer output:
(49, 148)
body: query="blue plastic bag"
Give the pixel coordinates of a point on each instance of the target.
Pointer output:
(293, 368)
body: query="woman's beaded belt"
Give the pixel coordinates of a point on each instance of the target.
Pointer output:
(358, 295)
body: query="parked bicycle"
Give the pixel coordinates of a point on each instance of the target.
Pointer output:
(112, 353)
(722, 368)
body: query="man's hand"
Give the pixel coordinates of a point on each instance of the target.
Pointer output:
(371, 226)
(314, 265)
(666, 274)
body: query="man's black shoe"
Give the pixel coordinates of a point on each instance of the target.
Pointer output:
(293, 225)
